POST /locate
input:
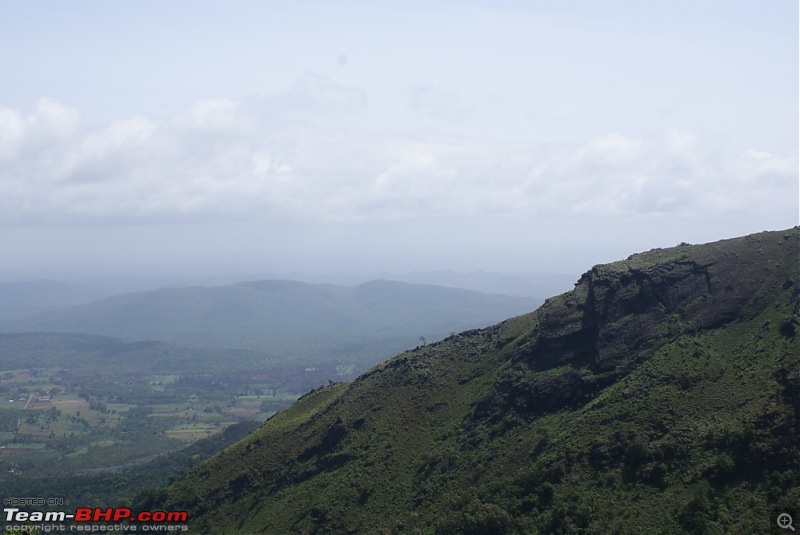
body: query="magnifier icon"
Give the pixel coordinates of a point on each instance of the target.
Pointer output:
(785, 521)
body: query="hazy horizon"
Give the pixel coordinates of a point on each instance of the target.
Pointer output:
(201, 141)
(85, 288)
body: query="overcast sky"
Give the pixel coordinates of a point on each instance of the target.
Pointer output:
(209, 137)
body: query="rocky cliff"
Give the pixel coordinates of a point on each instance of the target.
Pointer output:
(662, 394)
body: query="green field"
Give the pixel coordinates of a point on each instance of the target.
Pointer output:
(58, 425)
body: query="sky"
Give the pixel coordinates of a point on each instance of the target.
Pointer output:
(209, 138)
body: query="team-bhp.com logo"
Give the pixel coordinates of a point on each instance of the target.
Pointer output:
(114, 515)
(117, 514)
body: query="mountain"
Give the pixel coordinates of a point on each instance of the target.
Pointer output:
(364, 323)
(539, 285)
(660, 395)
(20, 299)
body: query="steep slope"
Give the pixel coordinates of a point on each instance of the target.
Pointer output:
(372, 321)
(661, 395)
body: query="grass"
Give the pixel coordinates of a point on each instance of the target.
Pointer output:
(25, 445)
(193, 432)
(655, 397)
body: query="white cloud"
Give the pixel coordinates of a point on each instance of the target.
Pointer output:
(438, 104)
(764, 168)
(212, 115)
(315, 92)
(617, 175)
(50, 122)
(233, 158)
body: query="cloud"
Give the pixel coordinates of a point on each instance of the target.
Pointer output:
(440, 105)
(228, 158)
(50, 122)
(315, 92)
(213, 115)
(615, 175)
(761, 167)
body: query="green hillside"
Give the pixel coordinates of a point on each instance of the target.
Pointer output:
(661, 395)
(362, 324)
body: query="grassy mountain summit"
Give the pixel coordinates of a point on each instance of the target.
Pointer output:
(661, 395)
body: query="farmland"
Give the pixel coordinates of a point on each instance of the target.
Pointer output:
(58, 424)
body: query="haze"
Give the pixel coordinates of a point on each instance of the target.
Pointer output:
(210, 139)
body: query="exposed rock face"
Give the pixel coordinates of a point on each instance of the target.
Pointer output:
(619, 313)
(664, 390)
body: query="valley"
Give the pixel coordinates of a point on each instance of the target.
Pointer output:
(661, 395)
(392, 268)
(126, 393)
(57, 424)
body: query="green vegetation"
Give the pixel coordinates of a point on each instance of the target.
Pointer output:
(116, 485)
(97, 438)
(85, 406)
(661, 395)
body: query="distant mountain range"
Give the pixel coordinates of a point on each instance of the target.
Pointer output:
(364, 323)
(660, 395)
(20, 299)
(537, 286)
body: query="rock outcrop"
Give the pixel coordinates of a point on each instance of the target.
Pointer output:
(663, 392)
